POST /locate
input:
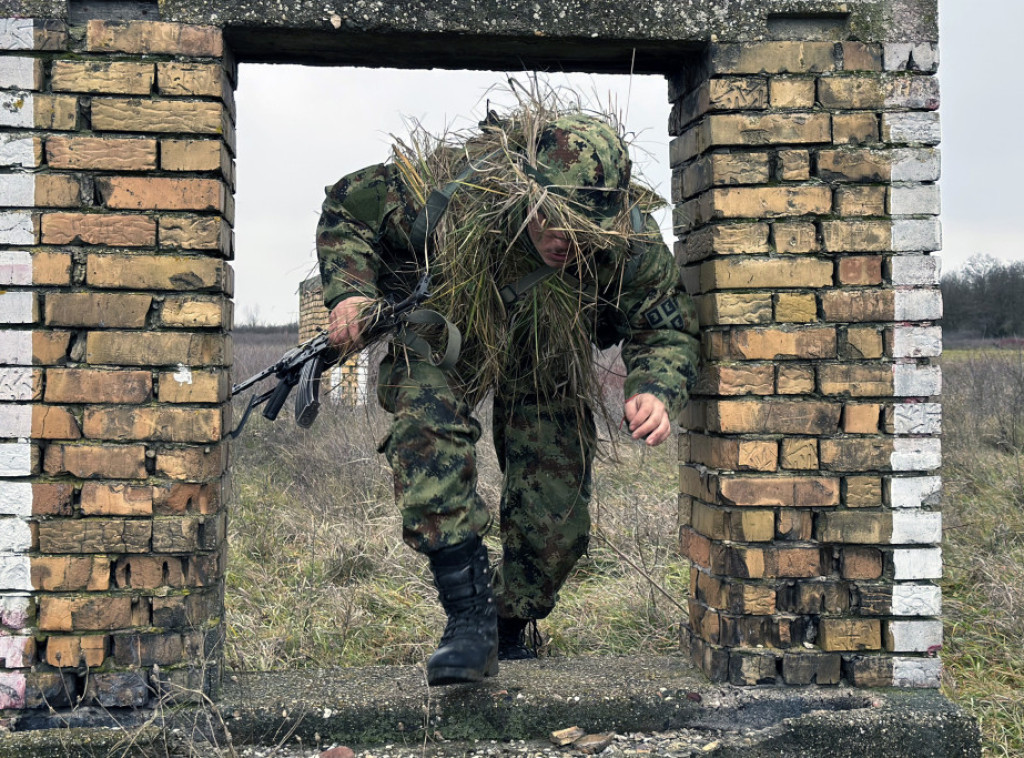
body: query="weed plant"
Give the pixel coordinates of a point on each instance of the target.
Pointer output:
(318, 574)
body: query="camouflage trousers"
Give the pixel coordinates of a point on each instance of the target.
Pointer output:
(546, 461)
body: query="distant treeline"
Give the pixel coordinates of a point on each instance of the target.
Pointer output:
(985, 298)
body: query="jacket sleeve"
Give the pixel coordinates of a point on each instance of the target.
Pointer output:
(347, 237)
(661, 345)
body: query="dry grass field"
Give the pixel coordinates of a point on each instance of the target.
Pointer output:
(318, 575)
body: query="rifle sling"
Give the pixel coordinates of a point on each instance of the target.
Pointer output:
(426, 317)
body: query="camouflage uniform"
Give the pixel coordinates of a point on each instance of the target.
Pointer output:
(546, 458)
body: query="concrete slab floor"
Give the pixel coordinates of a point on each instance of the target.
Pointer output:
(527, 701)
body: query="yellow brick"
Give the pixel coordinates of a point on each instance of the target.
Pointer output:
(795, 380)
(193, 386)
(157, 349)
(51, 269)
(799, 453)
(863, 342)
(57, 191)
(856, 92)
(154, 37)
(195, 312)
(191, 154)
(111, 77)
(116, 499)
(854, 128)
(729, 308)
(96, 309)
(765, 202)
(728, 239)
(793, 308)
(857, 236)
(737, 379)
(757, 455)
(126, 115)
(159, 272)
(98, 229)
(768, 129)
(775, 417)
(148, 423)
(794, 165)
(74, 385)
(720, 169)
(57, 112)
(773, 57)
(861, 418)
(860, 200)
(854, 165)
(190, 79)
(795, 237)
(765, 274)
(53, 423)
(791, 93)
(775, 344)
(853, 305)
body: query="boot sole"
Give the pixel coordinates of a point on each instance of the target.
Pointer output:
(443, 675)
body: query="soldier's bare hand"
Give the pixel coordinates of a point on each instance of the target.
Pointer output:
(345, 323)
(648, 419)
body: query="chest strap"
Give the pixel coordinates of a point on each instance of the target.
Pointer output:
(437, 202)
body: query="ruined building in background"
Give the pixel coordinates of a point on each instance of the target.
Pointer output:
(806, 210)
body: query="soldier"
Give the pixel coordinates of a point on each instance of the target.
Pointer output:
(539, 247)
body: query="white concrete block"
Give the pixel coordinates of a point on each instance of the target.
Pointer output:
(916, 453)
(916, 164)
(15, 347)
(15, 535)
(918, 305)
(916, 269)
(17, 151)
(15, 572)
(17, 34)
(16, 383)
(916, 235)
(15, 421)
(17, 307)
(919, 127)
(916, 600)
(914, 200)
(15, 267)
(17, 110)
(14, 610)
(911, 56)
(917, 563)
(16, 458)
(914, 636)
(913, 92)
(18, 72)
(916, 341)
(917, 418)
(914, 491)
(15, 499)
(16, 228)
(917, 672)
(915, 527)
(13, 651)
(913, 380)
(18, 190)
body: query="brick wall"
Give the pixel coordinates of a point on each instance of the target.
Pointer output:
(115, 232)
(348, 382)
(806, 203)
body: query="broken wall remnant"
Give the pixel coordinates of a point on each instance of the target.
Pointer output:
(806, 209)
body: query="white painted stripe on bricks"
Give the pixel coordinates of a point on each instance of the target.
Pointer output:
(914, 491)
(916, 453)
(15, 267)
(15, 422)
(916, 600)
(17, 72)
(916, 164)
(17, 151)
(17, 307)
(919, 235)
(917, 563)
(917, 636)
(12, 690)
(917, 418)
(15, 572)
(916, 672)
(916, 341)
(13, 651)
(914, 200)
(17, 109)
(912, 380)
(17, 190)
(16, 228)
(916, 528)
(14, 611)
(15, 458)
(918, 305)
(911, 270)
(15, 536)
(16, 383)
(15, 348)
(16, 499)
(17, 34)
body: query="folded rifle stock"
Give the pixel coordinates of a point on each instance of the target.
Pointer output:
(305, 364)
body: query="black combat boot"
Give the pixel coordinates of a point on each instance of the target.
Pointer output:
(469, 646)
(518, 639)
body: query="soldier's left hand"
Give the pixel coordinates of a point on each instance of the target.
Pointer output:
(648, 419)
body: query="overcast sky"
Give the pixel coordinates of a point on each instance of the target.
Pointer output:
(302, 128)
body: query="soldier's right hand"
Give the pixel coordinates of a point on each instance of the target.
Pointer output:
(346, 321)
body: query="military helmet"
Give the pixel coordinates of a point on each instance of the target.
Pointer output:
(583, 159)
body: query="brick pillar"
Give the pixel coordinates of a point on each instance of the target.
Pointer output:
(807, 207)
(117, 169)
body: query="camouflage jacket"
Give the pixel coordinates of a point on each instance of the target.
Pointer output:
(363, 249)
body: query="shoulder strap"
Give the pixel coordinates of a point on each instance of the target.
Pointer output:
(437, 202)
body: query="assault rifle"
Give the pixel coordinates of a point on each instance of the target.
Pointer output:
(305, 364)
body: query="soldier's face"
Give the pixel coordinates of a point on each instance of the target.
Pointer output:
(553, 245)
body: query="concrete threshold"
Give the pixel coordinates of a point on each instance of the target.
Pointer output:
(528, 700)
